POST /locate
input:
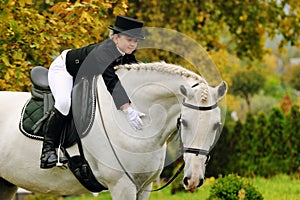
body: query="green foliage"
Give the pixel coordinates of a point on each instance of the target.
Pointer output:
(280, 187)
(264, 145)
(263, 103)
(262, 140)
(176, 185)
(220, 25)
(233, 187)
(221, 161)
(227, 33)
(18, 42)
(32, 32)
(225, 156)
(30, 36)
(278, 138)
(247, 146)
(43, 197)
(273, 86)
(292, 133)
(292, 75)
(246, 84)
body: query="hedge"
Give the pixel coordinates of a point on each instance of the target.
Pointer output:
(262, 145)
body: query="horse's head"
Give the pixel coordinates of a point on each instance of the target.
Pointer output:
(200, 124)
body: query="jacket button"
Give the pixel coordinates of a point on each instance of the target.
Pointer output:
(77, 61)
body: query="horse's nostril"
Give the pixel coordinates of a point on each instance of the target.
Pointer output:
(185, 181)
(201, 181)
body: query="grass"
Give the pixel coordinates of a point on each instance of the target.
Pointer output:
(165, 194)
(281, 187)
(202, 193)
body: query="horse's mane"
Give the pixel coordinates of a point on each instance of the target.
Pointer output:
(170, 69)
(162, 67)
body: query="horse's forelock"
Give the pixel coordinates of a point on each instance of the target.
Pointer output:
(204, 92)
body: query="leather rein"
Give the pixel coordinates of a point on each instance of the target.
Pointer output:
(183, 149)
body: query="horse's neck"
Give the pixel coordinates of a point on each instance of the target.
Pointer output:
(155, 91)
(152, 92)
(155, 82)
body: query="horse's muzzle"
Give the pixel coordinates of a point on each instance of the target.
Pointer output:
(188, 187)
(201, 181)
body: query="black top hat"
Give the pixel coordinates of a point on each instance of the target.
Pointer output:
(128, 26)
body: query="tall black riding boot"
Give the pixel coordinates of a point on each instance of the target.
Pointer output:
(53, 130)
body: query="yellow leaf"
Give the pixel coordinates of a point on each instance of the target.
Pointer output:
(17, 55)
(7, 76)
(82, 29)
(22, 3)
(5, 59)
(29, 2)
(86, 18)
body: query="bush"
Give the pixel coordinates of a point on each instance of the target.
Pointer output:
(233, 187)
(263, 145)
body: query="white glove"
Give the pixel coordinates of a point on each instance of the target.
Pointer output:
(133, 116)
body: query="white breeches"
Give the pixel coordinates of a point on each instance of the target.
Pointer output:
(61, 83)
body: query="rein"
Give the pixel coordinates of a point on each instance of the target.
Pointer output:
(111, 145)
(183, 149)
(188, 149)
(120, 163)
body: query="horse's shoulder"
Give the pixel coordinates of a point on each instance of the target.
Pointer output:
(13, 97)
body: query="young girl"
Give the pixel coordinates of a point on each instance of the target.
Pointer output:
(102, 58)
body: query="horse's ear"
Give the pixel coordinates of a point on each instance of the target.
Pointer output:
(186, 92)
(222, 90)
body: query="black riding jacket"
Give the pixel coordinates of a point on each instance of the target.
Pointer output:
(100, 58)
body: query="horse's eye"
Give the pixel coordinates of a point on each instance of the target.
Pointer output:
(217, 126)
(184, 122)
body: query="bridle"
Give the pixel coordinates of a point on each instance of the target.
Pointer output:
(189, 149)
(183, 149)
(196, 151)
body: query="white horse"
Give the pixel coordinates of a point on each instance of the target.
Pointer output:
(163, 92)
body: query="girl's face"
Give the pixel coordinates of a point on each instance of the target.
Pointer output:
(125, 43)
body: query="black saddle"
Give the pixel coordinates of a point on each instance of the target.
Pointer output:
(37, 110)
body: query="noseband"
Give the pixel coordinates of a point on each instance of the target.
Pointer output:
(195, 151)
